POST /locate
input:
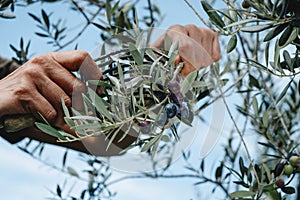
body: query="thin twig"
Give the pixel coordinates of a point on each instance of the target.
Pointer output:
(151, 12)
(111, 54)
(197, 14)
(237, 129)
(89, 21)
(175, 176)
(224, 92)
(279, 113)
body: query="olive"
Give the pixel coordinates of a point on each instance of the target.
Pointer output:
(294, 160)
(245, 5)
(145, 127)
(288, 170)
(171, 110)
(160, 86)
(280, 183)
(174, 87)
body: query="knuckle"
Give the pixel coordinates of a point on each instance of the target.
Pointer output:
(30, 71)
(40, 59)
(207, 32)
(175, 27)
(82, 55)
(51, 114)
(67, 100)
(22, 91)
(78, 86)
(36, 65)
(191, 27)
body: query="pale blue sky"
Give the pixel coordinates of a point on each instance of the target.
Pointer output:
(25, 178)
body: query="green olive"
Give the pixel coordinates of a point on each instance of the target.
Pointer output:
(288, 170)
(294, 160)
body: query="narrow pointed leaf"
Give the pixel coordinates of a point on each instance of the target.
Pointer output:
(232, 43)
(46, 19)
(213, 15)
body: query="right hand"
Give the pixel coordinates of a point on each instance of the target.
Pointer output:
(198, 47)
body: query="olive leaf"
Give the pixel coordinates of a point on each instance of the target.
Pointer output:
(232, 43)
(49, 130)
(213, 15)
(188, 82)
(241, 194)
(257, 28)
(274, 32)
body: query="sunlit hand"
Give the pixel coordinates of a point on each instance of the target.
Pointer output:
(198, 47)
(39, 85)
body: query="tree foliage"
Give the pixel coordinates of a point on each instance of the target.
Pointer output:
(262, 38)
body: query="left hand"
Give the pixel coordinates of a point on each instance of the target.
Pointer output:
(198, 47)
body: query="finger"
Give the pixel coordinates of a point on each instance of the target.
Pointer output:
(216, 53)
(39, 105)
(82, 62)
(78, 60)
(187, 68)
(203, 37)
(210, 43)
(175, 32)
(66, 80)
(207, 40)
(195, 33)
(177, 60)
(53, 93)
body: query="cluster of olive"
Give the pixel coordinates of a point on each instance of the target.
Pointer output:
(289, 168)
(175, 106)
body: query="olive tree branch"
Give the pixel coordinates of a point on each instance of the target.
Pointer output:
(237, 128)
(175, 176)
(197, 14)
(151, 12)
(88, 22)
(278, 111)
(224, 92)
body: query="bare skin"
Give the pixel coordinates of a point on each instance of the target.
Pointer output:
(40, 84)
(198, 47)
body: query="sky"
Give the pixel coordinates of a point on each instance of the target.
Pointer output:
(23, 177)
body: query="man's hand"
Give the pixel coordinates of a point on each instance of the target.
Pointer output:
(198, 47)
(40, 84)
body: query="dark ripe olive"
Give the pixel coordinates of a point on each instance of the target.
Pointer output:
(280, 183)
(174, 87)
(160, 86)
(245, 5)
(171, 110)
